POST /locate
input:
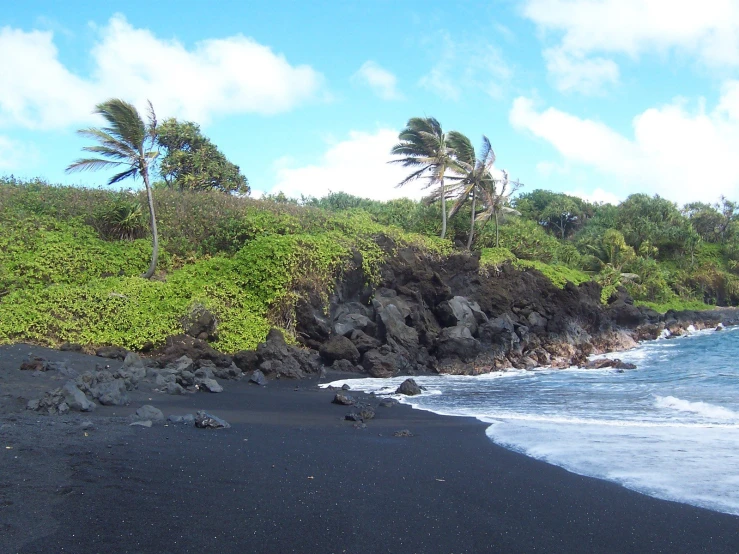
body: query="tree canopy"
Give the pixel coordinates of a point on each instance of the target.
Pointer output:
(190, 161)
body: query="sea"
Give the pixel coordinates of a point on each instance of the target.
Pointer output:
(668, 429)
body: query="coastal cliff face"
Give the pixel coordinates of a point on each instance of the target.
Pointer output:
(448, 315)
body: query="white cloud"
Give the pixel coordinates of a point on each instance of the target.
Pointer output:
(15, 156)
(380, 80)
(358, 165)
(214, 77)
(598, 195)
(681, 154)
(578, 74)
(585, 28)
(466, 64)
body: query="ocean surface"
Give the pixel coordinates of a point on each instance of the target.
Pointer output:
(669, 428)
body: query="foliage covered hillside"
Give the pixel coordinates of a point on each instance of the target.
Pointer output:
(666, 257)
(70, 261)
(70, 258)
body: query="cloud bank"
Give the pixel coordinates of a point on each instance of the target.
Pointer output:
(214, 77)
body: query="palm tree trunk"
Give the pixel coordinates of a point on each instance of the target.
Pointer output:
(153, 224)
(443, 209)
(472, 223)
(497, 235)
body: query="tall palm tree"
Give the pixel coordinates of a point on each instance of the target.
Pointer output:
(423, 146)
(127, 142)
(474, 172)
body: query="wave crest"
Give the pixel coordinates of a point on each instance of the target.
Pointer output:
(699, 408)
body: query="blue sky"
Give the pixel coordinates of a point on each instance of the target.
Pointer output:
(600, 98)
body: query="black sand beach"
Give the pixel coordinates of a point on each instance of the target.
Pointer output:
(291, 476)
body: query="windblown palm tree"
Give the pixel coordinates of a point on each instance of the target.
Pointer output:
(475, 171)
(423, 145)
(126, 143)
(495, 194)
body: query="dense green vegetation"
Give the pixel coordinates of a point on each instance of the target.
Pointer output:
(70, 258)
(666, 257)
(65, 277)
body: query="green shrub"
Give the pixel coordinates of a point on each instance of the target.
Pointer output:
(495, 257)
(559, 275)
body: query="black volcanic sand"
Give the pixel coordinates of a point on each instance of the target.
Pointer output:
(291, 476)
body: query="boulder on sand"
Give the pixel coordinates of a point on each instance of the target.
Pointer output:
(409, 387)
(204, 420)
(76, 399)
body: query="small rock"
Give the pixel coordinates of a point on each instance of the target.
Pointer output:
(204, 420)
(720, 327)
(211, 385)
(353, 417)
(174, 388)
(343, 399)
(115, 352)
(367, 413)
(33, 364)
(33, 405)
(110, 393)
(145, 423)
(87, 424)
(62, 408)
(388, 402)
(359, 425)
(258, 378)
(409, 387)
(345, 387)
(403, 433)
(76, 399)
(147, 411)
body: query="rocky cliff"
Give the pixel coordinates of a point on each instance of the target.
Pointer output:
(449, 315)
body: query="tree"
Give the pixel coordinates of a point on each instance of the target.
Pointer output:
(559, 213)
(654, 219)
(191, 161)
(126, 142)
(423, 146)
(495, 194)
(474, 170)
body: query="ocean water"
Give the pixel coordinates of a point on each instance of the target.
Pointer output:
(669, 428)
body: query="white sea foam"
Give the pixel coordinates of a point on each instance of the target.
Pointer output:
(700, 408)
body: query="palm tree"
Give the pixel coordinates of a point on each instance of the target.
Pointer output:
(495, 194)
(475, 171)
(126, 142)
(423, 145)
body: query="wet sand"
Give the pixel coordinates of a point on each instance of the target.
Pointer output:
(291, 476)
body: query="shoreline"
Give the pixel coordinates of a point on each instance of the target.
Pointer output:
(292, 476)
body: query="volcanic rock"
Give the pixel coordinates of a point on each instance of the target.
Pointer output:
(409, 387)
(339, 347)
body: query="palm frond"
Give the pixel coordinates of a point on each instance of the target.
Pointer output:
(106, 151)
(413, 176)
(106, 139)
(461, 147)
(124, 120)
(89, 164)
(131, 172)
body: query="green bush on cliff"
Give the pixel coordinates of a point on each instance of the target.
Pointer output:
(559, 275)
